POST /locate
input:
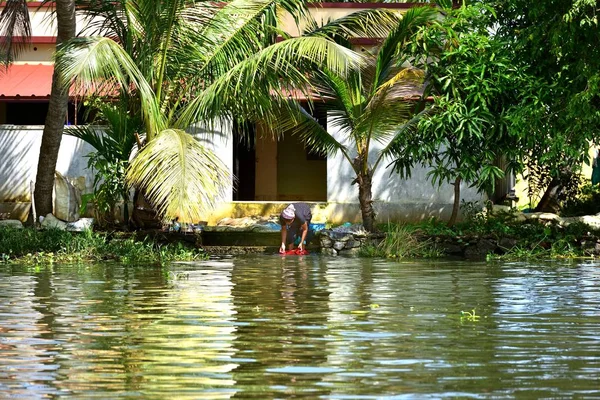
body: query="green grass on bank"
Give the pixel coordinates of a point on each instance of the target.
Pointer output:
(47, 246)
(534, 239)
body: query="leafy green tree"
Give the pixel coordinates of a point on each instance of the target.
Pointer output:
(187, 62)
(15, 31)
(366, 106)
(474, 83)
(559, 114)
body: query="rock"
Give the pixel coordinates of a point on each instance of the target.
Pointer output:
(481, 249)
(325, 241)
(51, 222)
(11, 223)
(353, 252)
(450, 248)
(506, 243)
(520, 217)
(498, 209)
(337, 245)
(341, 237)
(351, 244)
(591, 220)
(81, 225)
(543, 216)
(590, 247)
(329, 251)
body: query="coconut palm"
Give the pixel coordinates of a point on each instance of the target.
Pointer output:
(374, 104)
(15, 30)
(183, 62)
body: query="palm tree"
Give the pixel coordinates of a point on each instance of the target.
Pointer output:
(368, 105)
(15, 28)
(182, 62)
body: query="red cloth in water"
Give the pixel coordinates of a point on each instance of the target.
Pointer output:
(296, 252)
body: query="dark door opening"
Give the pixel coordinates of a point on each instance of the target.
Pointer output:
(244, 161)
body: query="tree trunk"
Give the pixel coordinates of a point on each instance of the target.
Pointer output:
(55, 119)
(366, 203)
(456, 204)
(544, 203)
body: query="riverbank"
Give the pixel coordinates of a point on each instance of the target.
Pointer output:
(29, 245)
(499, 234)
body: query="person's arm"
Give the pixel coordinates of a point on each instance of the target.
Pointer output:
(283, 238)
(304, 229)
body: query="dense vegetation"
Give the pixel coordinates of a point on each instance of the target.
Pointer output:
(507, 87)
(517, 238)
(47, 246)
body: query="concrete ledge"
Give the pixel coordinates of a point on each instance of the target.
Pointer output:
(233, 238)
(333, 212)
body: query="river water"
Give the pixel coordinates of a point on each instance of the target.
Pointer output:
(268, 327)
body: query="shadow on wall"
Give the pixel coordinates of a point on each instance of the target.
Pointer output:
(19, 153)
(396, 199)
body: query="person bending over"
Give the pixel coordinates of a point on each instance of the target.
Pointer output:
(295, 226)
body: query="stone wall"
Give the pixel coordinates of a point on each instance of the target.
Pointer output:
(346, 243)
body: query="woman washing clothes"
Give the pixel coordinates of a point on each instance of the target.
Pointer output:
(295, 227)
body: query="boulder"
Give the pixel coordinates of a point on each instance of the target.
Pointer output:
(67, 199)
(11, 223)
(51, 222)
(543, 216)
(338, 245)
(81, 225)
(481, 249)
(328, 251)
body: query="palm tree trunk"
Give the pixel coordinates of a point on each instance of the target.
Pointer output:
(366, 202)
(456, 204)
(55, 119)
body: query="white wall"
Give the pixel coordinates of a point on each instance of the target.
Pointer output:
(395, 198)
(219, 139)
(19, 153)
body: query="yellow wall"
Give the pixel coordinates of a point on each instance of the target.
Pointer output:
(265, 183)
(299, 179)
(521, 184)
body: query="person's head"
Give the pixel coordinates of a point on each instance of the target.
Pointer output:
(289, 214)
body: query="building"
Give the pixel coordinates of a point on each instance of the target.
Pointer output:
(265, 168)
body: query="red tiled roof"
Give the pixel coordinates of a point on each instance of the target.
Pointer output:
(20, 81)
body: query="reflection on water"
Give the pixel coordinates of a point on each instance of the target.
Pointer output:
(312, 327)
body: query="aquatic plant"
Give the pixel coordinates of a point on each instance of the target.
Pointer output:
(470, 316)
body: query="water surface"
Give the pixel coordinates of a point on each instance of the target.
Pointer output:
(300, 327)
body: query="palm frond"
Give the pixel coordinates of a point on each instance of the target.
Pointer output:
(179, 176)
(371, 23)
(247, 86)
(15, 30)
(387, 55)
(297, 121)
(113, 134)
(98, 65)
